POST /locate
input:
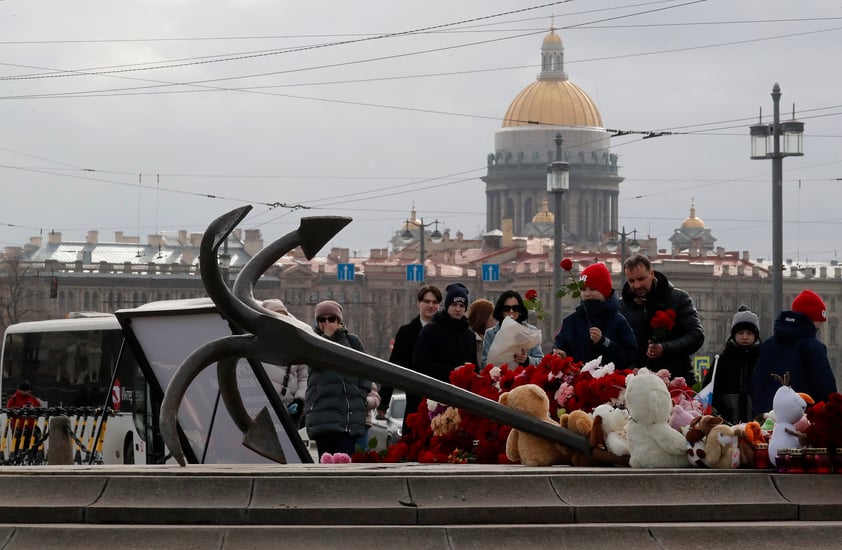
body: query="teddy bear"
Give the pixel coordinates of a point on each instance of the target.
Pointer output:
(614, 423)
(582, 423)
(789, 408)
(652, 442)
(528, 449)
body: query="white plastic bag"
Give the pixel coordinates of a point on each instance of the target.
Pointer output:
(510, 339)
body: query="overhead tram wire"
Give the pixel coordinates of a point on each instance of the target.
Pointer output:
(203, 84)
(304, 48)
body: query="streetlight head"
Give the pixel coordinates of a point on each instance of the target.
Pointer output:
(611, 245)
(634, 246)
(558, 176)
(407, 236)
(793, 134)
(761, 135)
(436, 235)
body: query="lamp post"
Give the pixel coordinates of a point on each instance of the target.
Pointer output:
(408, 237)
(762, 136)
(558, 181)
(633, 246)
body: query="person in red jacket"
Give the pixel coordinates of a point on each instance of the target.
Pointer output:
(23, 398)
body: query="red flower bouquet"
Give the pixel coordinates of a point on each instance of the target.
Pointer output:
(661, 323)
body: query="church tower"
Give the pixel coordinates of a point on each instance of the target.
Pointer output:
(515, 185)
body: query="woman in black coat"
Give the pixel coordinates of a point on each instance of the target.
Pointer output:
(336, 404)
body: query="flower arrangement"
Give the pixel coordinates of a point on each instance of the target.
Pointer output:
(661, 323)
(438, 433)
(533, 303)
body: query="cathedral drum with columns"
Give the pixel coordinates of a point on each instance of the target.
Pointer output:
(515, 185)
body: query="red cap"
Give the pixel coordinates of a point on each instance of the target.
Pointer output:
(809, 303)
(597, 277)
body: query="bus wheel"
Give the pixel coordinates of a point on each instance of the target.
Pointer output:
(128, 449)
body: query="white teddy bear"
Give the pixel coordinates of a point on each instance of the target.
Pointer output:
(652, 442)
(615, 424)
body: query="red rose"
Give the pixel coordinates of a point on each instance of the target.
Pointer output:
(531, 294)
(567, 264)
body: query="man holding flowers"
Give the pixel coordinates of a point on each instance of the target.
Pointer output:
(664, 320)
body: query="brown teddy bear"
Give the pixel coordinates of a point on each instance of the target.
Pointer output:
(581, 423)
(528, 449)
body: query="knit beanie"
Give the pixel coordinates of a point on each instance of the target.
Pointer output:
(328, 308)
(745, 319)
(597, 277)
(456, 293)
(809, 303)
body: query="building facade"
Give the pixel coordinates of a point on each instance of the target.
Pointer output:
(379, 298)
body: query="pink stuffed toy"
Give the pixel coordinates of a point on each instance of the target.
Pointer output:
(684, 413)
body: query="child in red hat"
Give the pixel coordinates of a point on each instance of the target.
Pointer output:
(597, 328)
(794, 349)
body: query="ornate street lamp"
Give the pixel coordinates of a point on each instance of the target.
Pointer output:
(558, 181)
(407, 237)
(766, 144)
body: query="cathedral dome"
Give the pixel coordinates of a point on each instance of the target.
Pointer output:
(544, 215)
(552, 99)
(693, 222)
(555, 102)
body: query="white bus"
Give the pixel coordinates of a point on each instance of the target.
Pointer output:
(79, 363)
(70, 363)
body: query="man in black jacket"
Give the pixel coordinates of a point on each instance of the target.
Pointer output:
(646, 292)
(403, 349)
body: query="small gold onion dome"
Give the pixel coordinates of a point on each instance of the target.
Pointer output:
(693, 221)
(544, 215)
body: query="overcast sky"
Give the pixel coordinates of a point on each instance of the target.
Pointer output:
(155, 115)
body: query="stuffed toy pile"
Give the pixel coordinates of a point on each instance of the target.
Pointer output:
(652, 442)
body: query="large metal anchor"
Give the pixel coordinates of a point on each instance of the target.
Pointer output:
(272, 338)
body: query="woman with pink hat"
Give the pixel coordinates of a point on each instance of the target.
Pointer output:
(336, 405)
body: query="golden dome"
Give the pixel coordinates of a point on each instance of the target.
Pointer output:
(555, 102)
(693, 221)
(552, 39)
(544, 215)
(552, 99)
